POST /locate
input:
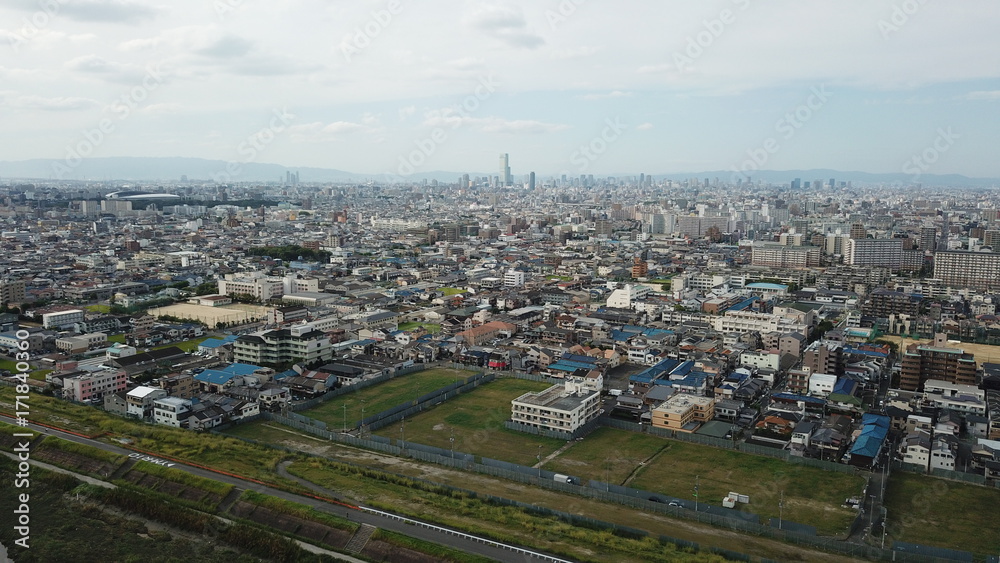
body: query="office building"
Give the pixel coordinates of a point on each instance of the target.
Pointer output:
(505, 178)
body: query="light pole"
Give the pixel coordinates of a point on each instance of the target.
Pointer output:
(539, 457)
(345, 418)
(362, 418)
(452, 440)
(402, 433)
(696, 493)
(781, 506)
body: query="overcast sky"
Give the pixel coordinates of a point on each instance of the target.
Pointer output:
(563, 86)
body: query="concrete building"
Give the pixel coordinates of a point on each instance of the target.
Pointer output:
(683, 413)
(299, 343)
(977, 270)
(62, 319)
(776, 255)
(936, 360)
(140, 401)
(171, 411)
(563, 408)
(95, 385)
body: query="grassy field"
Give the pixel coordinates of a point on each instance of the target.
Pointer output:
(378, 398)
(98, 308)
(118, 338)
(812, 496)
(447, 291)
(477, 420)
(931, 511)
(429, 327)
(607, 455)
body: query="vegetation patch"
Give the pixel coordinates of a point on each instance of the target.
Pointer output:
(476, 421)
(375, 399)
(935, 512)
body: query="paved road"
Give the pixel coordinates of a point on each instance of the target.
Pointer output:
(431, 533)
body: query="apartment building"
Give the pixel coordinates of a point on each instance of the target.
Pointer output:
(936, 360)
(683, 413)
(299, 343)
(563, 408)
(95, 385)
(773, 255)
(977, 270)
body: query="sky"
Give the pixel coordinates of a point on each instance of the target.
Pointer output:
(563, 86)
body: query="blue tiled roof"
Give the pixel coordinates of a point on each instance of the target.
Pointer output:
(214, 376)
(873, 434)
(794, 397)
(654, 372)
(240, 369)
(845, 386)
(683, 369)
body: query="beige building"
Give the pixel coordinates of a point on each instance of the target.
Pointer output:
(683, 413)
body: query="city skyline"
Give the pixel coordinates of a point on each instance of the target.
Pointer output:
(390, 89)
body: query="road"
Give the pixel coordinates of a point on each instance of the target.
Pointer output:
(413, 528)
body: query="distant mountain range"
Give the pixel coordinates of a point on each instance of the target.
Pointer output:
(171, 169)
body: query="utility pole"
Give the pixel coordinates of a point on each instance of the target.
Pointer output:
(345, 418)
(402, 433)
(452, 440)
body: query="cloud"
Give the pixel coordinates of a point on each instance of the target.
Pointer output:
(609, 95)
(54, 104)
(318, 131)
(406, 111)
(988, 95)
(507, 24)
(112, 70)
(577, 53)
(109, 11)
(449, 118)
(644, 126)
(227, 47)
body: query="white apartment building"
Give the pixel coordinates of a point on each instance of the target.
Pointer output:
(62, 319)
(140, 401)
(563, 408)
(513, 278)
(297, 343)
(171, 411)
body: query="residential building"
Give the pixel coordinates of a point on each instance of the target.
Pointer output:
(683, 413)
(95, 385)
(936, 360)
(562, 408)
(977, 270)
(140, 401)
(299, 343)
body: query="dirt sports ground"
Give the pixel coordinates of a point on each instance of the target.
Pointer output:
(212, 316)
